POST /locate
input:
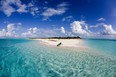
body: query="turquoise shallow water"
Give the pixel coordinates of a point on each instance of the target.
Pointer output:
(27, 58)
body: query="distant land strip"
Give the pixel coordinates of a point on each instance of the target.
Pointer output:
(58, 38)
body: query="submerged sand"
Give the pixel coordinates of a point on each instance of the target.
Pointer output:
(69, 44)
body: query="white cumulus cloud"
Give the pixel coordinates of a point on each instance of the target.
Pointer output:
(68, 18)
(7, 7)
(54, 11)
(63, 4)
(2, 33)
(109, 30)
(79, 27)
(22, 9)
(31, 32)
(9, 31)
(101, 19)
(62, 30)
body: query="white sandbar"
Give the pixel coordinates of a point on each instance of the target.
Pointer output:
(64, 42)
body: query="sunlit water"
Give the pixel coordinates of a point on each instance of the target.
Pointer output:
(27, 58)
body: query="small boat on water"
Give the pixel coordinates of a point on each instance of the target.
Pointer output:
(59, 44)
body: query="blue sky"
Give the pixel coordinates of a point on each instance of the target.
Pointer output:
(45, 18)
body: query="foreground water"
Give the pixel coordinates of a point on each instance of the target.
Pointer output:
(27, 58)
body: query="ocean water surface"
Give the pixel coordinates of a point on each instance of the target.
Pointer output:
(28, 58)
